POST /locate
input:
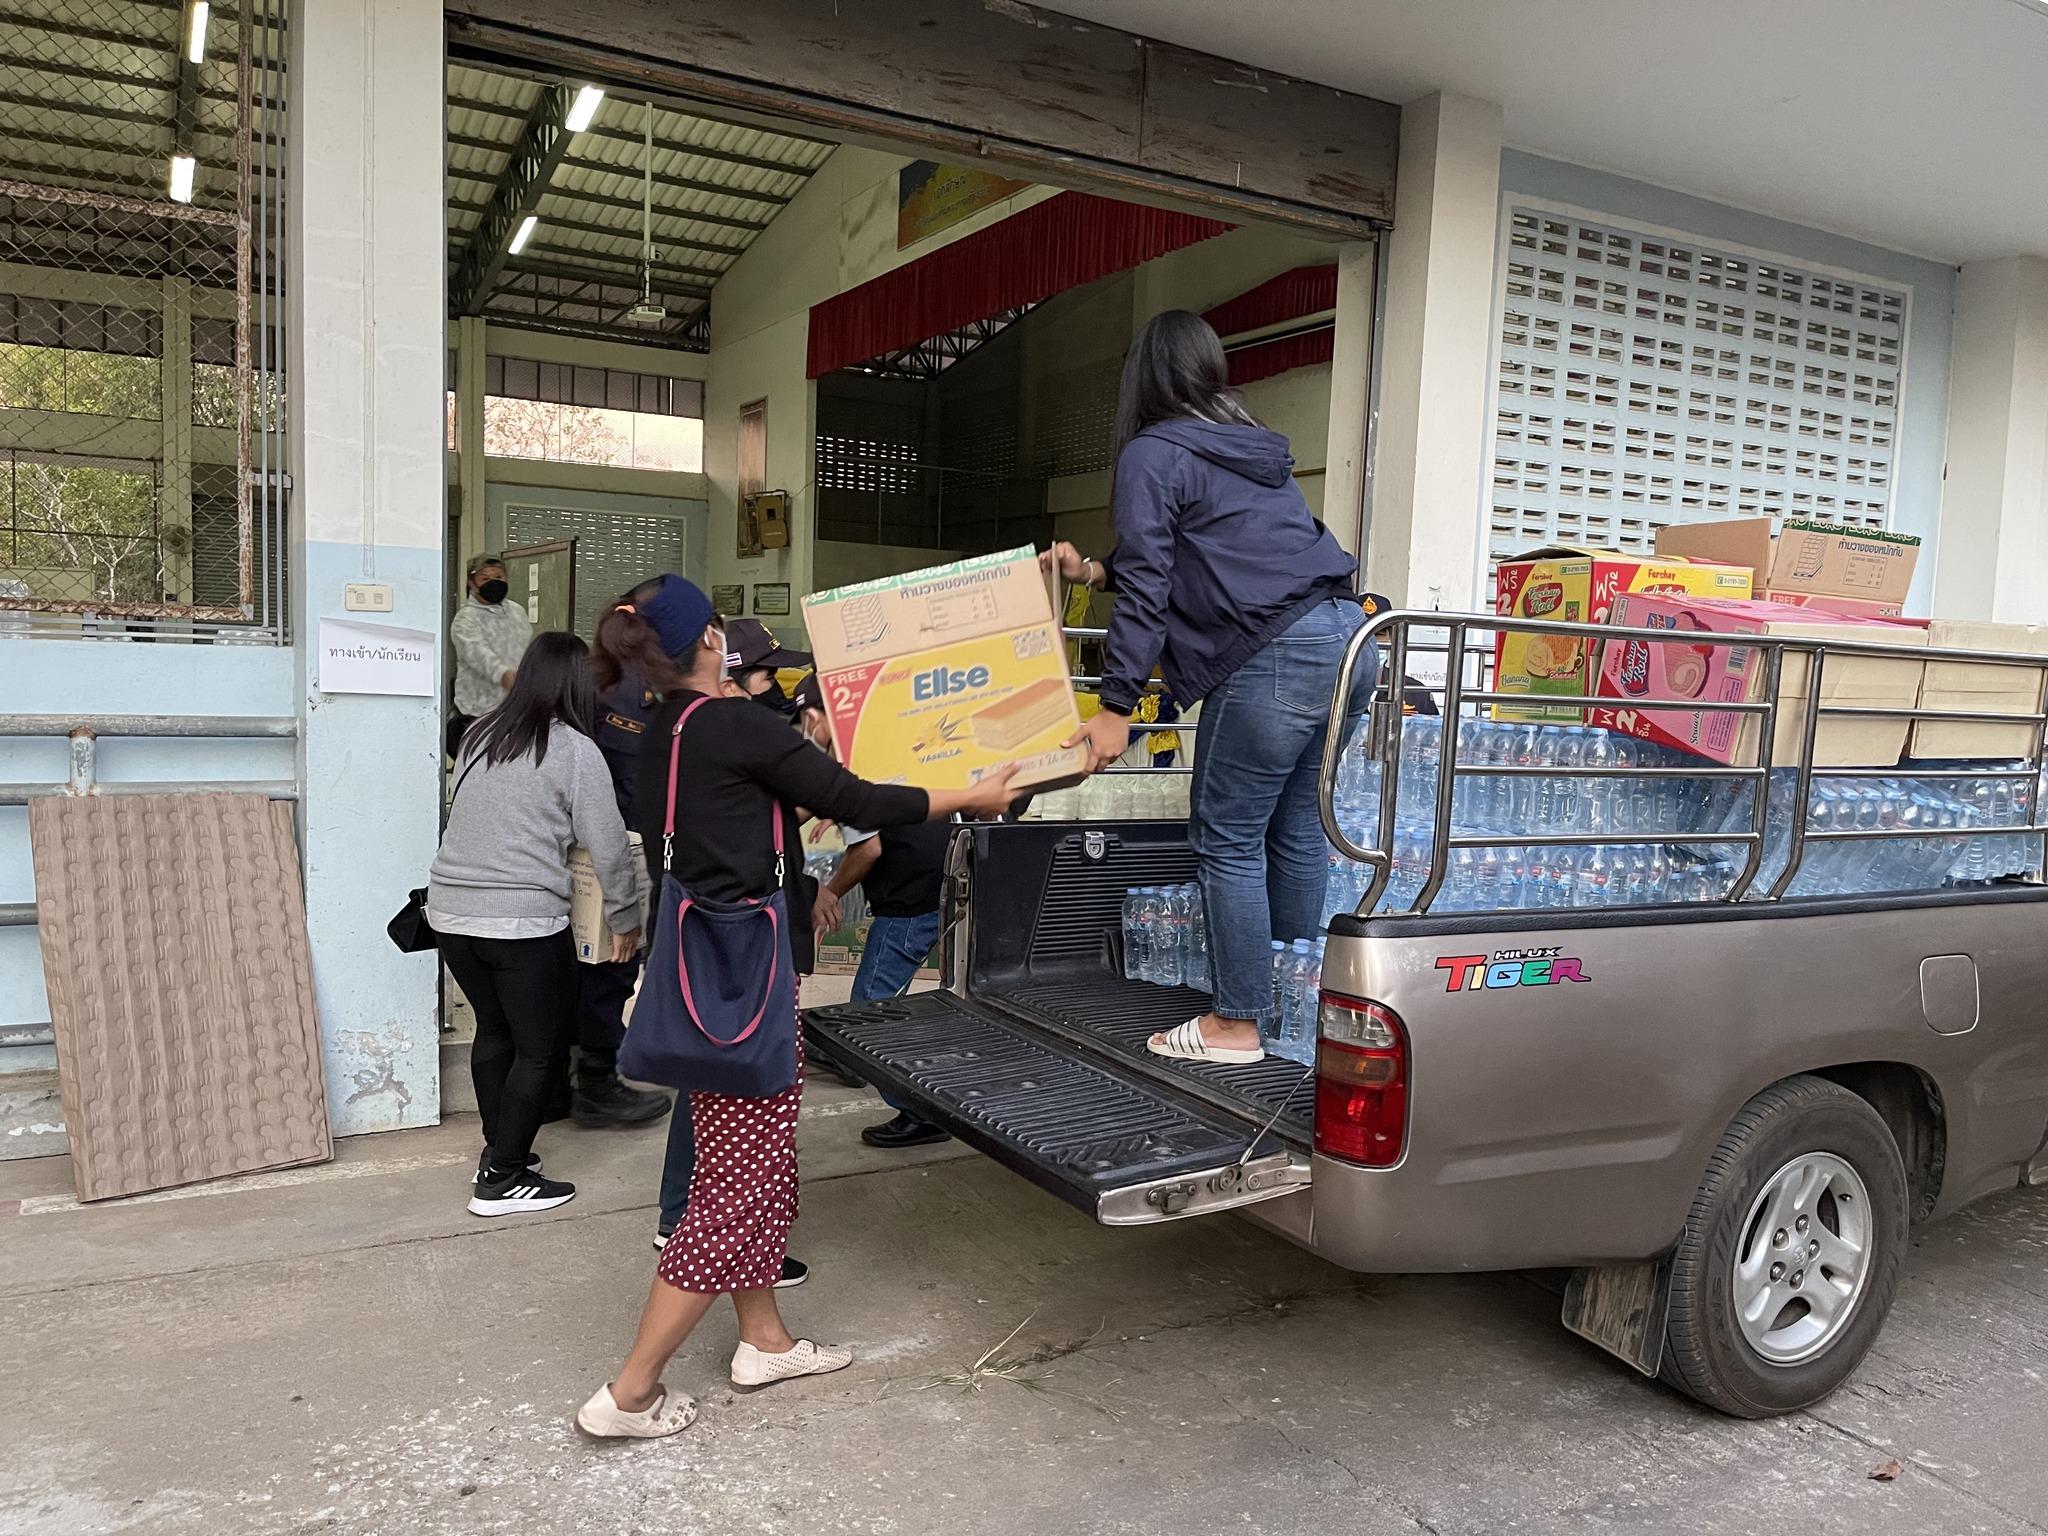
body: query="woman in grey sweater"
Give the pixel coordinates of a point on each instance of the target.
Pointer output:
(530, 783)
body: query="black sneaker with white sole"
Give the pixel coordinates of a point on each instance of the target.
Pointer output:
(518, 1192)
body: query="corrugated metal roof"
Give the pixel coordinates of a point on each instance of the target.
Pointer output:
(716, 186)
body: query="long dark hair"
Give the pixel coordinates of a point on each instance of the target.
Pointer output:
(553, 683)
(627, 646)
(1175, 367)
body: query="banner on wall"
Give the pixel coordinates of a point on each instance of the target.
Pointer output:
(931, 197)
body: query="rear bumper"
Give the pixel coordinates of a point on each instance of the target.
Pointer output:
(1401, 1221)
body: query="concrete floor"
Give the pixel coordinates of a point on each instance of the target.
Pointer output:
(345, 1350)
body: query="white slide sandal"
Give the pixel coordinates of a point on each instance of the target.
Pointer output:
(1184, 1042)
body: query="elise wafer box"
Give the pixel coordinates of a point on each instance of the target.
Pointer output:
(934, 677)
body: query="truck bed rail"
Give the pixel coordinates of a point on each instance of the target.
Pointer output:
(1400, 635)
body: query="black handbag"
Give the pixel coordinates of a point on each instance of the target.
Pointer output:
(409, 928)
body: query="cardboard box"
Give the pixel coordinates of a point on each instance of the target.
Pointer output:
(1580, 584)
(1731, 674)
(1823, 558)
(1841, 607)
(934, 677)
(1982, 686)
(592, 935)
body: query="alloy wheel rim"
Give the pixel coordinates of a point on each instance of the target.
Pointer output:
(1802, 1261)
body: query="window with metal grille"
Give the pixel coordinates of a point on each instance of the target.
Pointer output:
(1647, 379)
(615, 551)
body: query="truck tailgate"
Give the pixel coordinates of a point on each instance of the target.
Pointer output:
(1125, 1148)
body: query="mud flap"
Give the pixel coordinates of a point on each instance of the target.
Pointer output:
(1622, 1308)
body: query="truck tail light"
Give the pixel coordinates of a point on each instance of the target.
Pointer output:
(1361, 1083)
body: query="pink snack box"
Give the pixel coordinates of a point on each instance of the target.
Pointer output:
(1683, 670)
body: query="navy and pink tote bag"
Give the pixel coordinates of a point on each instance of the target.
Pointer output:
(716, 1011)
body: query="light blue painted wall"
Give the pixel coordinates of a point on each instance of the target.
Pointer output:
(370, 768)
(1923, 436)
(114, 677)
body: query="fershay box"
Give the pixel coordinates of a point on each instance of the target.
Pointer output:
(1580, 585)
(1691, 668)
(935, 677)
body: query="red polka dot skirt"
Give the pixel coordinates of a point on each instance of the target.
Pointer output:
(735, 1227)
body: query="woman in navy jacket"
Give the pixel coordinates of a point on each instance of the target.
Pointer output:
(1241, 597)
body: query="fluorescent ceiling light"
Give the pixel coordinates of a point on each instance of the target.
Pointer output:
(195, 39)
(523, 234)
(183, 167)
(584, 108)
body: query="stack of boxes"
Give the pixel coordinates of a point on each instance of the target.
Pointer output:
(1810, 580)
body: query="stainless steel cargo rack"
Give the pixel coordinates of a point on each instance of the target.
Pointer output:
(1401, 634)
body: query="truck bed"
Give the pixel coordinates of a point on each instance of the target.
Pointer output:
(1036, 1053)
(1043, 946)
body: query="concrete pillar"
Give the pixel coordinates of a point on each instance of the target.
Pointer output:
(470, 349)
(1426, 542)
(366, 320)
(1992, 558)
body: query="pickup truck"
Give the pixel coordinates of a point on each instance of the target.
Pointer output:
(1720, 1118)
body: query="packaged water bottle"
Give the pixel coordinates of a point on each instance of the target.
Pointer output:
(1489, 892)
(1275, 1020)
(1302, 975)
(1522, 789)
(1511, 872)
(1465, 792)
(1659, 883)
(1197, 969)
(1593, 877)
(1596, 795)
(1460, 884)
(1154, 920)
(1134, 935)
(1564, 875)
(1169, 953)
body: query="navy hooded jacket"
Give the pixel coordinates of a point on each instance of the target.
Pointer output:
(1216, 554)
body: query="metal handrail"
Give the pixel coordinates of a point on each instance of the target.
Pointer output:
(1388, 725)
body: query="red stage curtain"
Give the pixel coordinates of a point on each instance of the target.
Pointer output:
(1050, 247)
(1263, 359)
(1303, 291)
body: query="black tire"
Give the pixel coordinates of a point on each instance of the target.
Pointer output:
(1705, 1353)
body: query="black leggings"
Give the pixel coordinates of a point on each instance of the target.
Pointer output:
(523, 992)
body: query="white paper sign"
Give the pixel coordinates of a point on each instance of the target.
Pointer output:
(375, 658)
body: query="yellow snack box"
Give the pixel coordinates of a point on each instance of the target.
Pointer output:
(1580, 585)
(934, 677)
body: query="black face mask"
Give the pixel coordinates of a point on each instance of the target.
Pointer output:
(493, 591)
(774, 698)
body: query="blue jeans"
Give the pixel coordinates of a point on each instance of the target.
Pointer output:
(678, 1163)
(1254, 824)
(896, 947)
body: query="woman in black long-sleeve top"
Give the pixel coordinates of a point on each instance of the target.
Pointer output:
(738, 765)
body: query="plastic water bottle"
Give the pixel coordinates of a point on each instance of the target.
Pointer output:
(1134, 934)
(1593, 877)
(1276, 1019)
(1564, 875)
(1154, 921)
(1196, 973)
(1300, 975)
(1489, 892)
(1595, 810)
(1169, 954)
(1512, 891)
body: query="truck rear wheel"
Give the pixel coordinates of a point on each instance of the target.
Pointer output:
(1791, 1254)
